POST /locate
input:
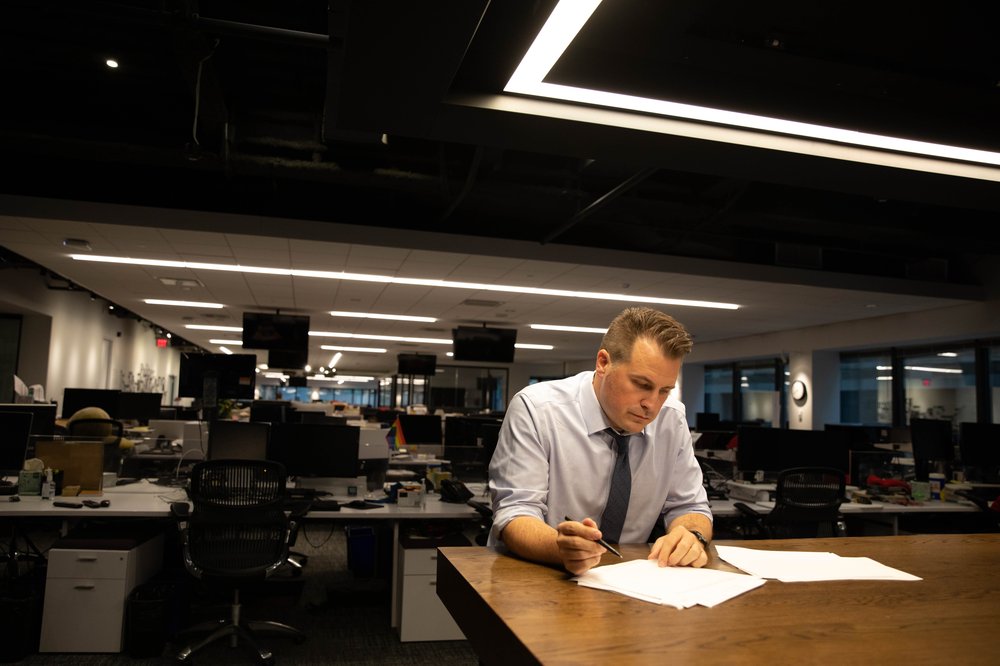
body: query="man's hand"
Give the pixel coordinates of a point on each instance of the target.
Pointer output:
(578, 547)
(679, 548)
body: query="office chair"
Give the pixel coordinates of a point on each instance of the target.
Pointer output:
(235, 532)
(805, 498)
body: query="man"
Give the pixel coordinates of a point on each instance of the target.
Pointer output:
(555, 457)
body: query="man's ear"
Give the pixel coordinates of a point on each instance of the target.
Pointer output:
(603, 362)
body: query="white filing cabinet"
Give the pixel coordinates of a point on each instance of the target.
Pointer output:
(85, 594)
(422, 615)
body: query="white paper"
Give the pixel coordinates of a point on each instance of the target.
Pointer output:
(797, 566)
(680, 587)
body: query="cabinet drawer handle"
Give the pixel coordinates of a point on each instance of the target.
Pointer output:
(432, 583)
(87, 559)
(434, 557)
(84, 586)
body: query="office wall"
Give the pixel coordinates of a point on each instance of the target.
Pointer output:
(68, 340)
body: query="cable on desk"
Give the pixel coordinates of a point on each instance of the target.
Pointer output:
(715, 480)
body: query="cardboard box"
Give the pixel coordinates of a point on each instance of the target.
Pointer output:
(82, 463)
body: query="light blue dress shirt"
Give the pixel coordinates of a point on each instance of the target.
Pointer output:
(554, 459)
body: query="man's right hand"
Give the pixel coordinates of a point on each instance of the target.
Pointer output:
(578, 547)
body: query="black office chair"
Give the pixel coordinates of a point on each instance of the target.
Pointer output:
(235, 532)
(806, 499)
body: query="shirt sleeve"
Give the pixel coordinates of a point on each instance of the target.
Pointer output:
(686, 488)
(519, 469)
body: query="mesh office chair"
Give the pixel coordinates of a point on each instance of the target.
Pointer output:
(806, 498)
(236, 532)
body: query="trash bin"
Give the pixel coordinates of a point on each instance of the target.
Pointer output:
(361, 550)
(147, 618)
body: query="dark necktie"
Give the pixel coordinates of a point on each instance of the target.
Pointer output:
(613, 519)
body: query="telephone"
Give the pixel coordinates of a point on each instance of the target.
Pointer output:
(454, 491)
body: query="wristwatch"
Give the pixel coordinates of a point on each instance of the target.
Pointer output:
(700, 537)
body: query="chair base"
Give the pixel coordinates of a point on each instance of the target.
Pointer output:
(238, 630)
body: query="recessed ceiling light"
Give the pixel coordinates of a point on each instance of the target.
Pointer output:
(111, 63)
(389, 279)
(213, 327)
(218, 341)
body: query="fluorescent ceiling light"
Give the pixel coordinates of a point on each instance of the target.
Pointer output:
(948, 354)
(222, 341)
(920, 368)
(226, 350)
(183, 304)
(343, 378)
(527, 345)
(390, 338)
(569, 17)
(388, 279)
(336, 359)
(371, 315)
(369, 350)
(213, 327)
(571, 329)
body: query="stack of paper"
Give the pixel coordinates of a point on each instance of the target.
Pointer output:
(680, 587)
(794, 566)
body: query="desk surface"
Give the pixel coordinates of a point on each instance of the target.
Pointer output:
(517, 612)
(726, 508)
(148, 500)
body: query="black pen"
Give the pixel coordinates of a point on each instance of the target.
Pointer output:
(600, 541)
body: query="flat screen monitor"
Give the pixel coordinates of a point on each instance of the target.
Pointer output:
(859, 437)
(316, 449)
(979, 445)
(43, 423)
(241, 440)
(932, 442)
(262, 330)
(416, 364)
(774, 449)
(288, 359)
(217, 376)
(16, 430)
(706, 421)
(421, 428)
(139, 407)
(75, 399)
(490, 345)
(270, 411)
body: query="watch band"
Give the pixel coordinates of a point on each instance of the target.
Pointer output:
(700, 537)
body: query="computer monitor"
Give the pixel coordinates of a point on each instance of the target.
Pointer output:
(932, 443)
(421, 429)
(15, 430)
(773, 449)
(237, 439)
(43, 423)
(270, 411)
(316, 449)
(211, 377)
(75, 399)
(979, 446)
(706, 421)
(139, 407)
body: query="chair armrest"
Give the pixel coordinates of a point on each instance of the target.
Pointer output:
(181, 511)
(485, 510)
(297, 508)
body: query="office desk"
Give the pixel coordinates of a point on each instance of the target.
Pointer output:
(892, 512)
(148, 500)
(516, 612)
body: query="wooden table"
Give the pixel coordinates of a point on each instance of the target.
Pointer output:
(517, 612)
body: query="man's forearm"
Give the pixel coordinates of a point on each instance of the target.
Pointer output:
(694, 521)
(532, 539)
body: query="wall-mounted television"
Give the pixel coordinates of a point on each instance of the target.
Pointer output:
(492, 345)
(218, 376)
(416, 364)
(262, 330)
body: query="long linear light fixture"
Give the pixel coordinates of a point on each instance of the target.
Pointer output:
(366, 350)
(389, 279)
(570, 329)
(183, 304)
(529, 345)
(373, 315)
(390, 338)
(569, 17)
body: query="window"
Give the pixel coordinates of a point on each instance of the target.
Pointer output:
(866, 389)
(940, 384)
(719, 391)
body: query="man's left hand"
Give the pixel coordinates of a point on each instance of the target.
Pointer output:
(679, 548)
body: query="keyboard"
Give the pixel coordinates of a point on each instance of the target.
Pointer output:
(324, 505)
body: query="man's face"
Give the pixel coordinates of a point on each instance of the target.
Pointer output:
(632, 391)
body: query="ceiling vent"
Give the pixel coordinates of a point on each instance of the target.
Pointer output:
(185, 283)
(480, 303)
